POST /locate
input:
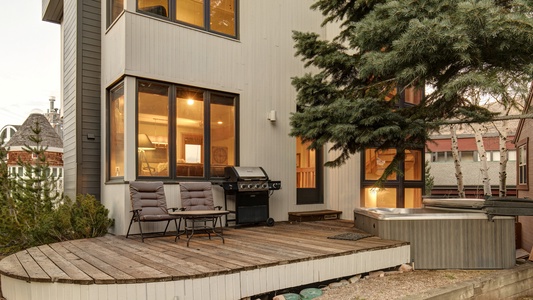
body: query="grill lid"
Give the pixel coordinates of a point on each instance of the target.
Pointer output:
(245, 173)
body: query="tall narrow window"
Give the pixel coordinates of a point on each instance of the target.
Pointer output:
(190, 132)
(116, 131)
(522, 165)
(152, 129)
(305, 165)
(114, 9)
(222, 133)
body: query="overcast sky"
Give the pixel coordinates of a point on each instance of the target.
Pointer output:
(29, 61)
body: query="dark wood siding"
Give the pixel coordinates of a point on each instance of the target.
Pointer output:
(89, 93)
(81, 95)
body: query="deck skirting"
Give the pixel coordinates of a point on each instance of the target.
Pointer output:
(232, 286)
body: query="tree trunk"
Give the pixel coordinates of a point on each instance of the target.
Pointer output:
(457, 162)
(503, 159)
(487, 192)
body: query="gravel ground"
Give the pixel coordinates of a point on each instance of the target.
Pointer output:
(400, 285)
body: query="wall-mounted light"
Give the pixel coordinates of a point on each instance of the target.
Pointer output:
(272, 116)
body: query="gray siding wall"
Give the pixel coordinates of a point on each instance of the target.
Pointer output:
(81, 95)
(89, 93)
(69, 29)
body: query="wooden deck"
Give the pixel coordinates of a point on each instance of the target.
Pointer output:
(252, 261)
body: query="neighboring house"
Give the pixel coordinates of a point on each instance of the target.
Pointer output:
(524, 161)
(50, 140)
(442, 165)
(177, 90)
(7, 132)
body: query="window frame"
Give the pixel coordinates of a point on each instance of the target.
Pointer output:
(172, 132)
(522, 185)
(118, 85)
(172, 4)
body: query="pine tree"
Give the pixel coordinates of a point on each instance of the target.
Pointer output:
(456, 47)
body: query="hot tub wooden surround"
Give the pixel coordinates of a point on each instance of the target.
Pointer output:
(253, 260)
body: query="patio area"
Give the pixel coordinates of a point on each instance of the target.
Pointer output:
(252, 261)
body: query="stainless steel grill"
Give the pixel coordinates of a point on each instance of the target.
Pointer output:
(247, 190)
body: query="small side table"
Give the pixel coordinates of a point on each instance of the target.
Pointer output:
(210, 216)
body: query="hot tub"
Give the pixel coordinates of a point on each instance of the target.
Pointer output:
(458, 238)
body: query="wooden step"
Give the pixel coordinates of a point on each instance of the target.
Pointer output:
(316, 215)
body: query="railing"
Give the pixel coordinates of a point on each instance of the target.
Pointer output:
(305, 177)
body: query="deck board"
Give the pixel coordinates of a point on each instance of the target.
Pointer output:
(115, 259)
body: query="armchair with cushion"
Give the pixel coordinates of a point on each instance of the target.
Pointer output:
(149, 204)
(198, 196)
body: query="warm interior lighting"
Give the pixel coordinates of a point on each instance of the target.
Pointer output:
(190, 102)
(219, 122)
(145, 143)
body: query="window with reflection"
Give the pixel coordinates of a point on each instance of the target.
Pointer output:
(413, 165)
(114, 8)
(212, 15)
(154, 7)
(522, 161)
(413, 197)
(376, 197)
(222, 133)
(305, 165)
(376, 161)
(412, 95)
(152, 129)
(116, 131)
(192, 135)
(393, 193)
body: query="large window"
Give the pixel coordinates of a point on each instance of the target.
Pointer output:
(116, 131)
(522, 161)
(184, 132)
(405, 188)
(212, 15)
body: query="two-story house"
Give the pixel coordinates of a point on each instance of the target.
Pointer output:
(175, 90)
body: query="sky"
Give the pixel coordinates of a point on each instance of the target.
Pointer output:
(30, 61)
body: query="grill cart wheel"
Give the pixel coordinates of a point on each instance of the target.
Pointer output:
(270, 222)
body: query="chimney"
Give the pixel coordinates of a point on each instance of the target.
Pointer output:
(52, 100)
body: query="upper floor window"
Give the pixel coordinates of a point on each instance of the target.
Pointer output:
(522, 162)
(184, 131)
(212, 15)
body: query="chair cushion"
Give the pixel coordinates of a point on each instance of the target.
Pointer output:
(148, 197)
(197, 196)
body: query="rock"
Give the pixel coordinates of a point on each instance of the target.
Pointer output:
(310, 293)
(344, 282)
(376, 274)
(279, 297)
(354, 279)
(393, 272)
(405, 268)
(335, 285)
